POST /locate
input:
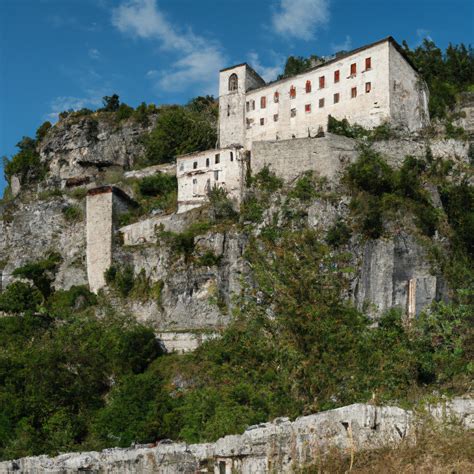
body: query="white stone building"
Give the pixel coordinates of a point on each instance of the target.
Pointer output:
(369, 86)
(198, 173)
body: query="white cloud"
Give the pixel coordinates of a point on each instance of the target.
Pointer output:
(268, 73)
(422, 34)
(346, 45)
(65, 103)
(300, 18)
(94, 53)
(199, 58)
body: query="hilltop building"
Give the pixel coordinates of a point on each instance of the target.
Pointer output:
(370, 86)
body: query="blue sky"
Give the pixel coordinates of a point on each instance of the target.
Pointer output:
(62, 54)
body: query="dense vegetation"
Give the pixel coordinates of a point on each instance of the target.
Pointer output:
(73, 381)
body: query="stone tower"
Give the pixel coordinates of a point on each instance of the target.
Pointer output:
(104, 204)
(234, 82)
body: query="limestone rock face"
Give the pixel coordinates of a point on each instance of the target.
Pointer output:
(31, 230)
(79, 148)
(385, 268)
(281, 446)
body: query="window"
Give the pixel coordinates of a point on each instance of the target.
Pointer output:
(231, 156)
(336, 98)
(276, 97)
(195, 165)
(247, 106)
(337, 76)
(321, 103)
(233, 82)
(228, 111)
(275, 118)
(368, 63)
(368, 87)
(354, 92)
(307, 108)
(216, 175)
(181, 167)
(308, 87)
(249, 123)
(292, 92)
(252, 104)
(353, 69)
(218, 158)
(262, 121)
(207, 162)
(195, 186)
(208, 185)
(263, 102)
(293, 113)
(321, 82)
(195, 181)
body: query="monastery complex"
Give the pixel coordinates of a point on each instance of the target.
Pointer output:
(370, 86)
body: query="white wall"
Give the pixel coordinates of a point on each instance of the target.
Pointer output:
(408, 94)
(193, 183)
(99, 237)
(368, 109)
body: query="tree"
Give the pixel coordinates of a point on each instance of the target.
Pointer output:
(179, 131)
(111, 103)
(297, 64)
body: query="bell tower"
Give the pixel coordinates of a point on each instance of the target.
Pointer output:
(234, 82)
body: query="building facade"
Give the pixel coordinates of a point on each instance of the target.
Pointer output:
(198, 173)
(370, 86)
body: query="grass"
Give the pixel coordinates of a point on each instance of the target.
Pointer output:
(445, 451)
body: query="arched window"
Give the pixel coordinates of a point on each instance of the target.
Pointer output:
(292, 92)
(233, 82)
(276, 97)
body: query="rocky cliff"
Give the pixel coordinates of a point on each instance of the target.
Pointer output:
(197, 296)
(280, 446)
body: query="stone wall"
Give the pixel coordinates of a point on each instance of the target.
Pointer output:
(282, 446)
(288, 159)
(328, 155)
(409, 94)
(103, 205)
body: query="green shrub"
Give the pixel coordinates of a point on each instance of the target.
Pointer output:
(178, 131)
(266, 180)
(72, 213)
(26, 165)
(209, 259)
(305, 188)
(221, 207)
(371, 173)
(62, 302)
(251, 210)
(41, 272)
(19, 297)
(457, 133)
(344, 128)
(157, 185)
(43, 131)
(121, 279)
(123, 112)
(338, 234)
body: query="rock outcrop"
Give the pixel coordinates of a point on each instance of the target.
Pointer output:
(281, 446)
(78, 149)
